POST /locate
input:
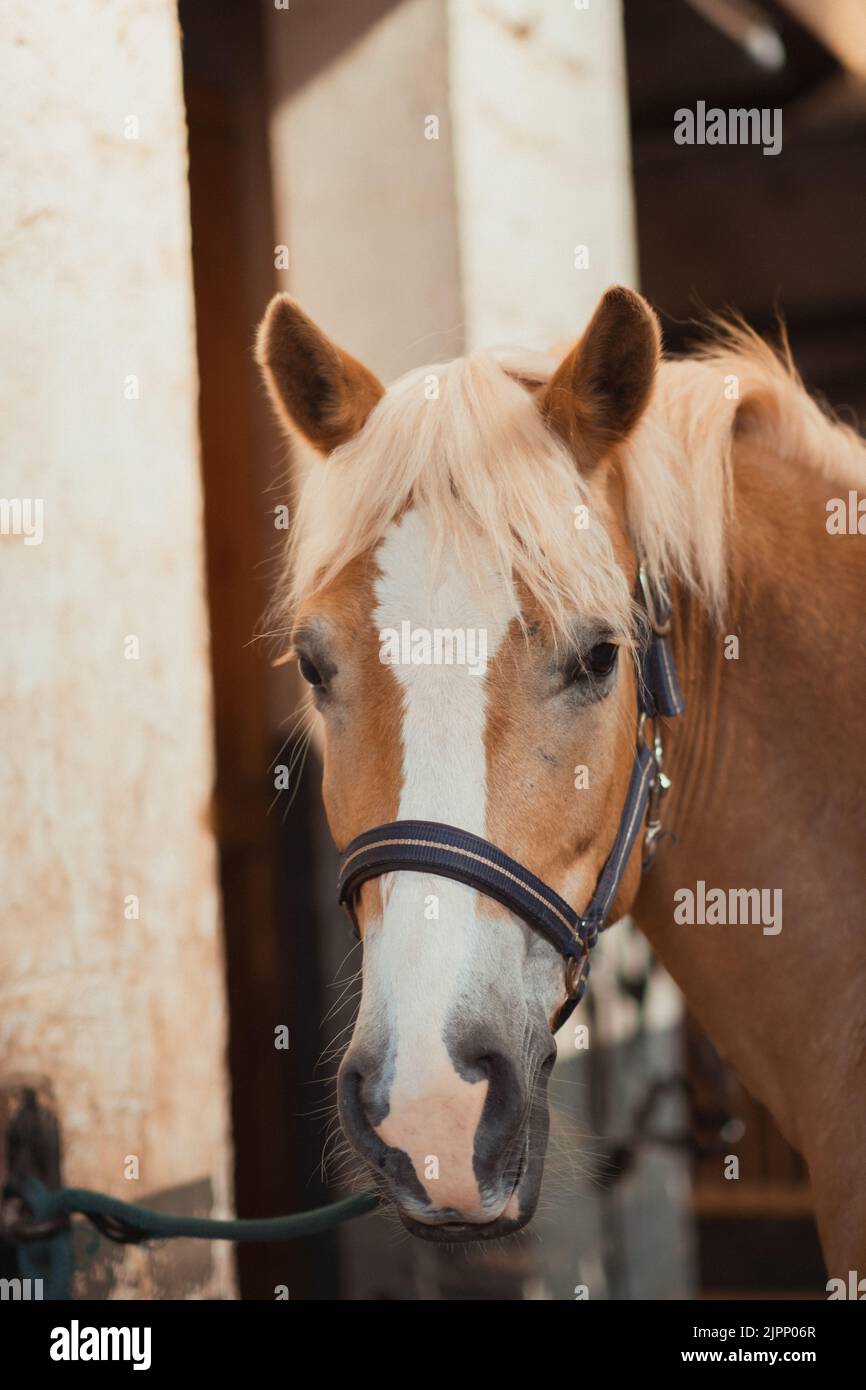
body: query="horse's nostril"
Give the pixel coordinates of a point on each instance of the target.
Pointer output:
(362, 1100)
(494, 1067)
(350, 1100)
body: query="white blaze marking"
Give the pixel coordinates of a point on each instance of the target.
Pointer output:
(414, 967)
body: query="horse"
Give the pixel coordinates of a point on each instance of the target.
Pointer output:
(518, 498)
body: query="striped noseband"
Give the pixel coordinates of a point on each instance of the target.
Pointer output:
(429, 847)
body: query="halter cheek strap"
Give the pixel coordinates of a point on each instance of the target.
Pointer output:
(448, 852)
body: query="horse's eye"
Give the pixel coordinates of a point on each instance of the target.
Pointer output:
(309, 672)
(601, 660)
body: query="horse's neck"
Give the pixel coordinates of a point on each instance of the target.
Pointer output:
(767, 793)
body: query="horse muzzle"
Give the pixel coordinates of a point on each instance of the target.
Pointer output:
(463, 1159)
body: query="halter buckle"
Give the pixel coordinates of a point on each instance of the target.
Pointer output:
(576, 974)
(659, 787)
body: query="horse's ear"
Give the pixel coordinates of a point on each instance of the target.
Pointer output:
(317, 388)
(598, 393)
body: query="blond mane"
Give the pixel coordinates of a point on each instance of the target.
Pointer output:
(465, 443)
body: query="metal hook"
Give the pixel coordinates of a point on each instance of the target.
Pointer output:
(17, 1224)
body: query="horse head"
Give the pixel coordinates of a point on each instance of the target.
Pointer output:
(461, 582)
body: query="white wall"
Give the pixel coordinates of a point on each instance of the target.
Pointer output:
(540, 115)
(107, 763)
(412, 249)
(365, 203)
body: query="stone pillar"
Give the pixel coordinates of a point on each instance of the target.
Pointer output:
(362, 161)
(438, 164)
(111, 988)
(543, 180)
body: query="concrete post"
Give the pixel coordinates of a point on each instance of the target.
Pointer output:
(111, 982)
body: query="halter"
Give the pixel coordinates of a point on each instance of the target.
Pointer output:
(444, 850)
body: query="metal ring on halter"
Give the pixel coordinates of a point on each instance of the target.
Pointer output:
(576, 974)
